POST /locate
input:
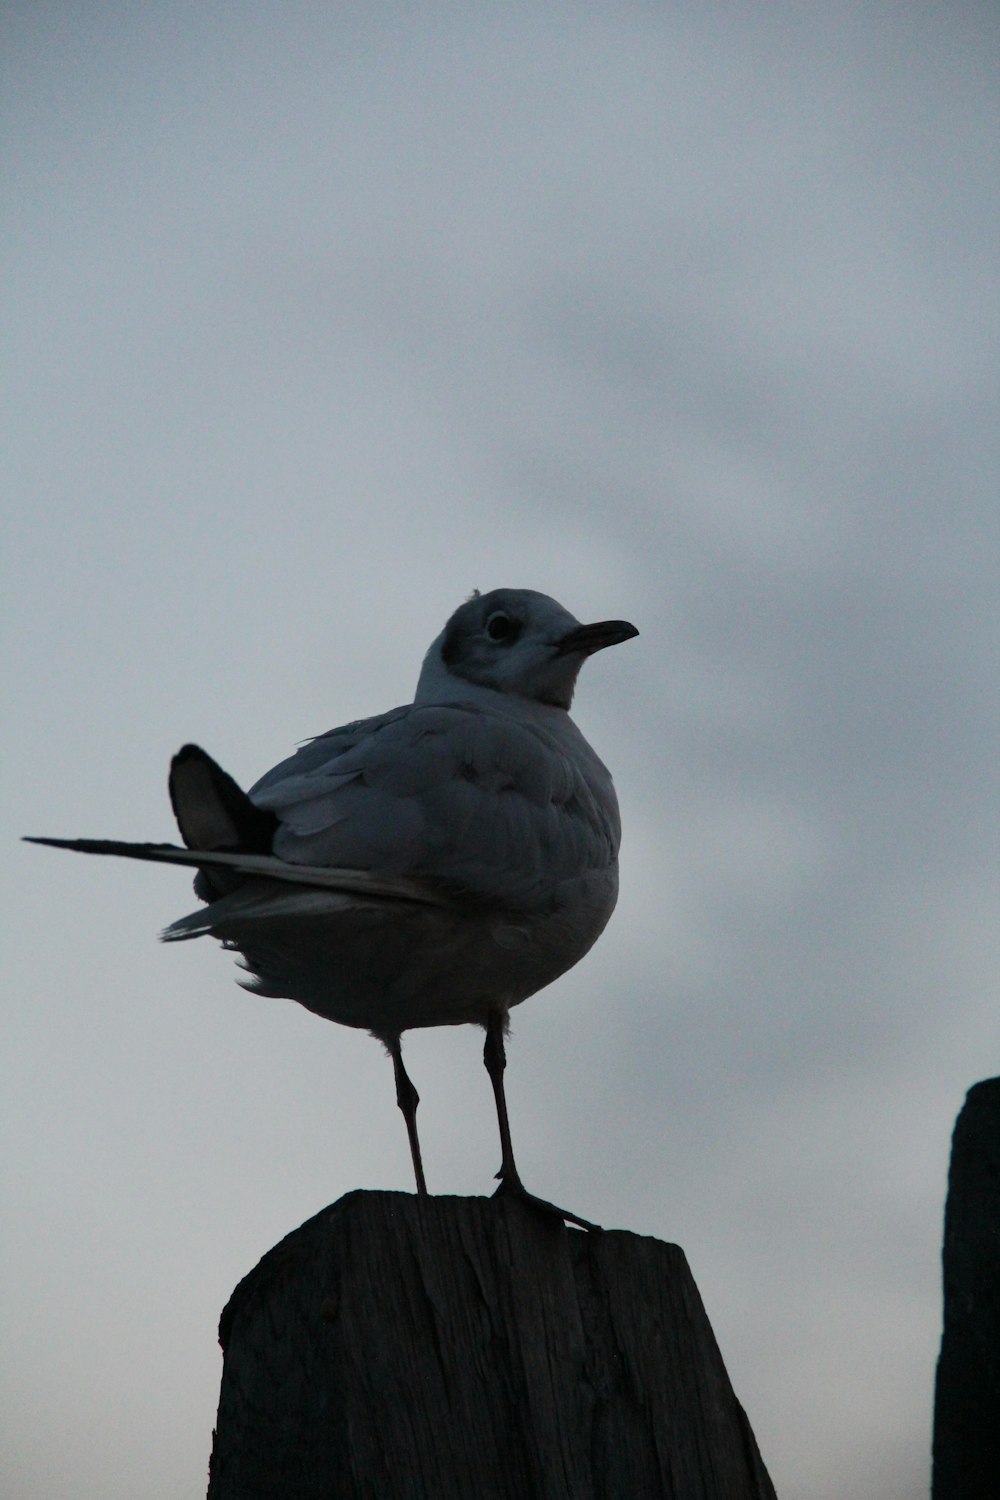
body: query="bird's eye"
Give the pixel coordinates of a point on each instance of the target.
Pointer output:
(500, 627)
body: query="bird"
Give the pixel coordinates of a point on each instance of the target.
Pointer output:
(434, 865)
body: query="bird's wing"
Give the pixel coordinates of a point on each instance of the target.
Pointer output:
(479, 803)
(365, 884)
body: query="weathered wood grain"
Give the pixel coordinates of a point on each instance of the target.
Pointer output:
(470, 1349)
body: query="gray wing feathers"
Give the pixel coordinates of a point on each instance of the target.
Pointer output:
(426, 804)
(317, 753)
(454, 794)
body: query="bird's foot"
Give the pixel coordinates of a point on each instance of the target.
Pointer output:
(514, 1188)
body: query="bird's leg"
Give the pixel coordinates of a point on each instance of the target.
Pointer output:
(407, 1098)
(495, 1058)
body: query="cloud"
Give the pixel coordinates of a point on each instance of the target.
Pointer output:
(683, 318)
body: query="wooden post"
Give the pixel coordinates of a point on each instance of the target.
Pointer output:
(967, 1398)
(471, 1349)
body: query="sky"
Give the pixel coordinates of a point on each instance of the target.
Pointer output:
(319, 317)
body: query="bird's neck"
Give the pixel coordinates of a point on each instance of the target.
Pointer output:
(439, 685)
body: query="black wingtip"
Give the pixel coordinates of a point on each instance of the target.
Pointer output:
(83, 844)
(107, 846)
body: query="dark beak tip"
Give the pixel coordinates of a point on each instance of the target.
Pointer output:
(596, 637)
(611, 632)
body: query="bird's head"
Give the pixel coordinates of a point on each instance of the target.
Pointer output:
(515, 641)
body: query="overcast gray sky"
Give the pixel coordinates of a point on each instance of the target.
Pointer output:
(320, 316)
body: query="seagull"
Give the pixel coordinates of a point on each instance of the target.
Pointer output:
(431, 866)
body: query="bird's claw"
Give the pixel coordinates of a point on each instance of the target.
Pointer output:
(516, 1189)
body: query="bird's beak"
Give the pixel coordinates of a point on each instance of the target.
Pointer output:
(586, 639)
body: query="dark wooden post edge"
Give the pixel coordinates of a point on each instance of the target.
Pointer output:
(966, 1463)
